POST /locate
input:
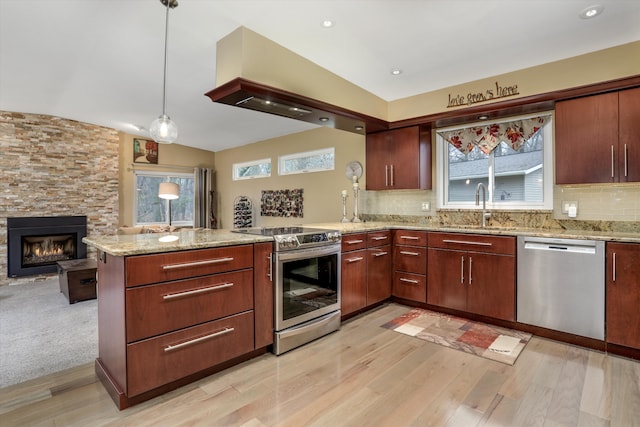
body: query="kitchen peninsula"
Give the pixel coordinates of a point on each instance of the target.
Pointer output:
(172, 312)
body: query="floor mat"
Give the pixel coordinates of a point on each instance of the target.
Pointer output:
(488, 341)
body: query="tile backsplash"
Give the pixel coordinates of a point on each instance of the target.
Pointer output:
(605, 202)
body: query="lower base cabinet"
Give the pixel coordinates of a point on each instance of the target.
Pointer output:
(366, 270)
(173, 356)
(472, 273)
(379, 268)
(623, 294)
(169, 318)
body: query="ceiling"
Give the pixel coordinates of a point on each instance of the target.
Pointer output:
(100, 61)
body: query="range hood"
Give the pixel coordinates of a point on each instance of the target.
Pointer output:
(258, 97)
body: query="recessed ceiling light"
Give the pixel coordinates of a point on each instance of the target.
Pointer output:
(327, 23)
(324, 119)
(396, 71)
(483, 117)
(591, 11)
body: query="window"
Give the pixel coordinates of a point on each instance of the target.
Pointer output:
(150, 209)
(516, 177)
(253, 169)
(309, 161)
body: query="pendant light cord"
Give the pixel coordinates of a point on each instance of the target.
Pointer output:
(166, 39)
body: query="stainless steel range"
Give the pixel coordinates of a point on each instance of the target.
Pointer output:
(306, 266)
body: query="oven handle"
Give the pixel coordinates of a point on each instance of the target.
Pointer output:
(308, 253)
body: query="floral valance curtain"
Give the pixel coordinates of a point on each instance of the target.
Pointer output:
(488, 136)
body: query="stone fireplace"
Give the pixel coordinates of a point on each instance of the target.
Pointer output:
(55, 167)
(36, 244)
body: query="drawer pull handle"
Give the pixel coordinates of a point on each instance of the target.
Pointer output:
(354, 242)
(356, 259)
(414, 282)
(379, 238)
(466, 242)
(197, 340)
(197, 263)
(410, 253)
(379, 253)
(410, 237)
(89, 281)
(197, 291)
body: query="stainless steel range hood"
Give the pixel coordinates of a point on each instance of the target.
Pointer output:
(255, 96)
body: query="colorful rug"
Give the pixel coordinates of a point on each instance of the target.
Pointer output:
(488, 341)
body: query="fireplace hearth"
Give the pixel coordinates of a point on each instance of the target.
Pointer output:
(36, 244)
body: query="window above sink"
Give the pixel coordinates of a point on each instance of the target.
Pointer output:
(518, 175)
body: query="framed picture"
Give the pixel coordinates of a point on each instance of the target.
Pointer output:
(145, 151)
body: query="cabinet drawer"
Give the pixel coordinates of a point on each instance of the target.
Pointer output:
(410, 237)
(410, 259)
(473, 242)
(410, 286)
(145, 269)
(378, 238)
(157, 309)
(158, 361)
(353, 242)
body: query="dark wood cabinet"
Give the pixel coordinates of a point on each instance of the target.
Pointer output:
(472, 273)
(263, 293)
(596, 138)
(164, 319)
(366, 270)
(410, 265)
(353, 280)
(623, 294)
(629, 135)
(379, 266)
(399, 159)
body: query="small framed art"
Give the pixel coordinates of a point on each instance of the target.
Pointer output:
(145, 151)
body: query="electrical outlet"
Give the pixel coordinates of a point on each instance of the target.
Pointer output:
(426, 206)
(568, 204)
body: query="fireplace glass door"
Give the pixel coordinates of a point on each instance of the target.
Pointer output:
(49, 249)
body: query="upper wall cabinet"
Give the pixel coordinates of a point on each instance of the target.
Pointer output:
(598, 138)
(399, 159)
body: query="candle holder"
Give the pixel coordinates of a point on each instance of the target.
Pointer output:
(356, 190)
(344, 207)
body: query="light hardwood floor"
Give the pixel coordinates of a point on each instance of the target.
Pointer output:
(363, 375)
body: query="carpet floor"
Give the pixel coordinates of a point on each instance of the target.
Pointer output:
(41, 333)
(488, 341)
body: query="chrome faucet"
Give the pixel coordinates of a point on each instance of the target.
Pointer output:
(485, 214)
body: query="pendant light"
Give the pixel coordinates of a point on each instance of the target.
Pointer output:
(163, 129)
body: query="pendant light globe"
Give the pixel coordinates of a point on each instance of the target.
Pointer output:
(163, 130)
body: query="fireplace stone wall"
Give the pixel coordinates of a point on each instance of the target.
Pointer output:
(53, 166)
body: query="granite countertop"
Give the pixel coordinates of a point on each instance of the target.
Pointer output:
(138, 244)
(557, 233)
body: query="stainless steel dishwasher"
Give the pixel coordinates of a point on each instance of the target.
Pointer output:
(561, 285)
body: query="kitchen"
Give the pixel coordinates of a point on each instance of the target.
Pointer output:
(408, 202)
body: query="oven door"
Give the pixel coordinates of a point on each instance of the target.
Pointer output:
(307, 284)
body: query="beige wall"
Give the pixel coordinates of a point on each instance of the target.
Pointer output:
(171, 158)
(604, 65)
(249, 55)
(244, 53)
(322, 199)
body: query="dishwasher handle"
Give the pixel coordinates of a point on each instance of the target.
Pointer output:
(586, 248)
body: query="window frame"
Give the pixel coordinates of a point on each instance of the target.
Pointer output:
(442, 170)
(311, 153)
(236, 168)
(166, 176)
